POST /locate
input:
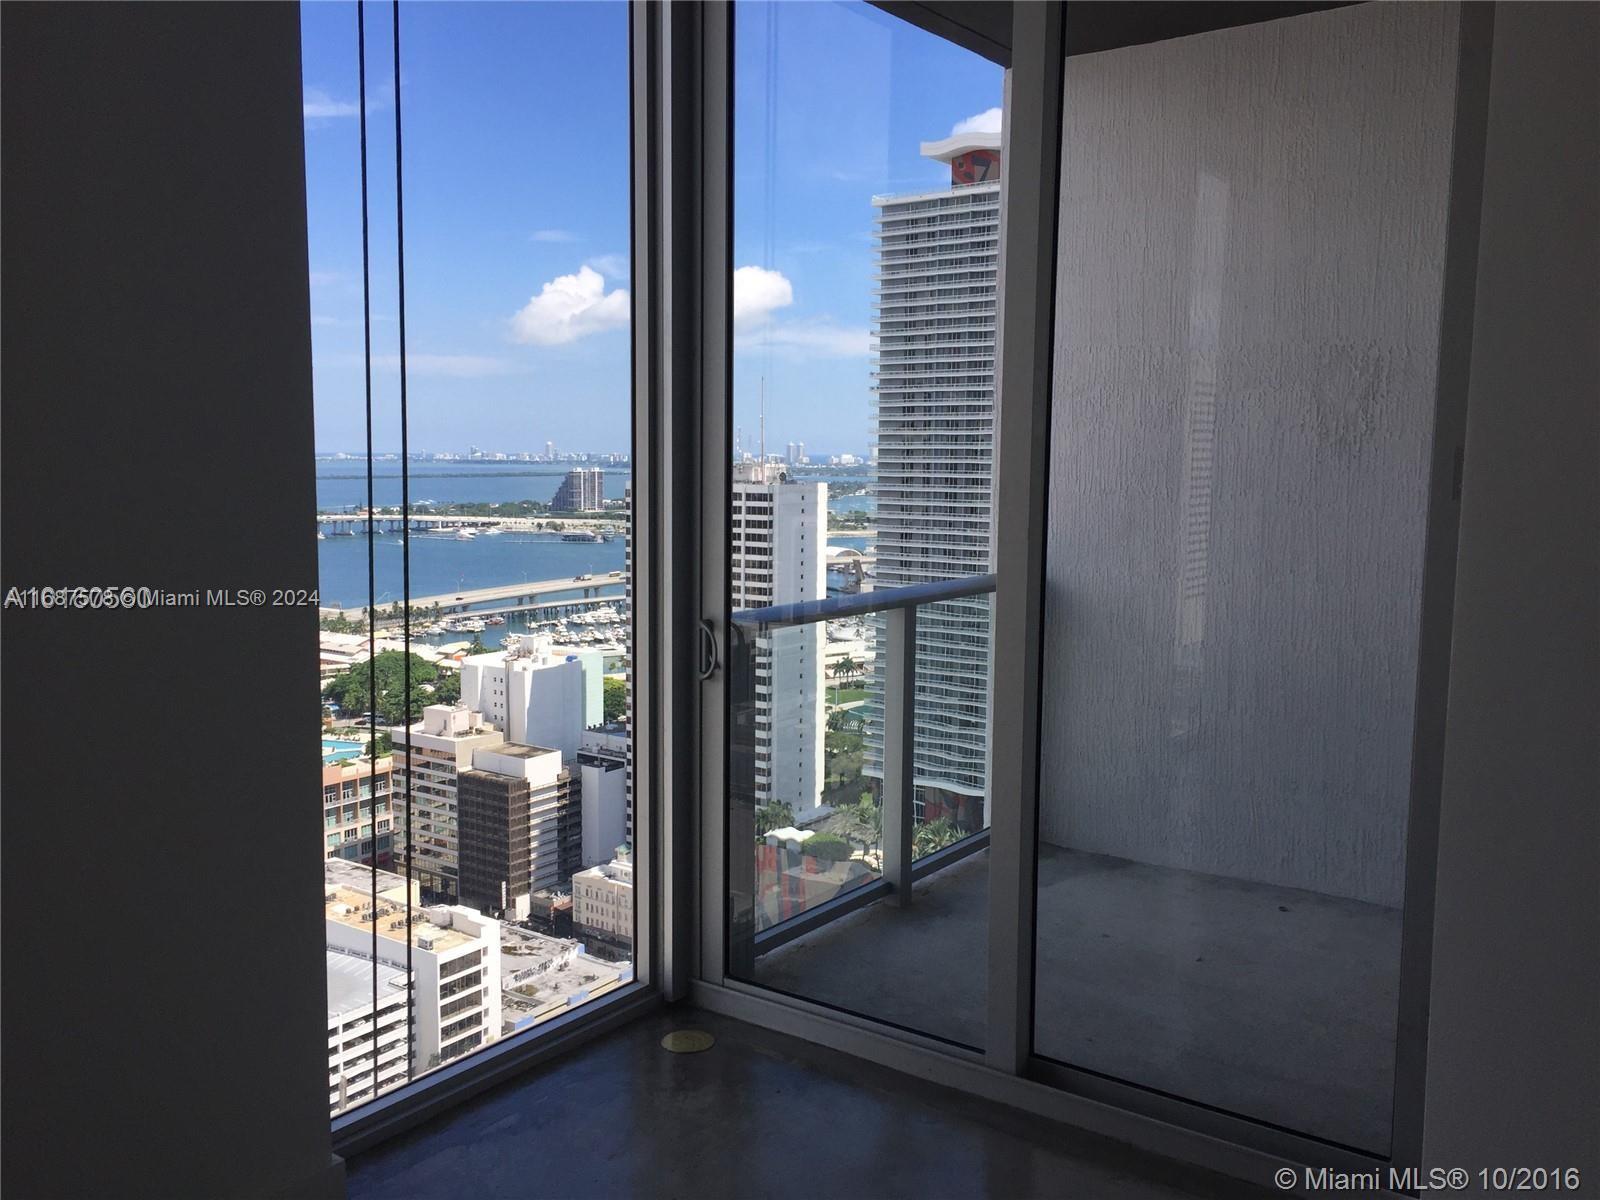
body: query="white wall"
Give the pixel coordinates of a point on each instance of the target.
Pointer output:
(1514, 1038)
(1251, 264)
(165, 1021)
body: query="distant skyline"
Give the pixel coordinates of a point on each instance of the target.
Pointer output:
(517, 221)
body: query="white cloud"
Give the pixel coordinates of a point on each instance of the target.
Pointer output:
(317, 103)
(553, 235)
(758, 293)
(326, 321)
(819, 338)
(449, 366)
(570, 307)
(612, 266)
(326, 278)
(988, 121)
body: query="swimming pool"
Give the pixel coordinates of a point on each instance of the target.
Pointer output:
(339, 749)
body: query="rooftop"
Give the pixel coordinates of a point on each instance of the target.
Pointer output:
(350, 984)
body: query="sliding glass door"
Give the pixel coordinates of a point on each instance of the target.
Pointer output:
(865, 233)
(1078, 563)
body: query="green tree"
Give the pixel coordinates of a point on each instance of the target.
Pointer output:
(866, 820)
(447, 688)
(385, 745)
(616, 699)
(772, 816)
(846, 668)
(352, 689)
(828, 846)
(934, 835)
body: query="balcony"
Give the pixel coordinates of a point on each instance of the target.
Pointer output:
(1276, 1002)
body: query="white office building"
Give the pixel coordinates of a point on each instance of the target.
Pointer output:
(455, 958)
(603, 775)
(779, 532)
(437, 749)
(934, 442)
(534, 695)
(355, 1058)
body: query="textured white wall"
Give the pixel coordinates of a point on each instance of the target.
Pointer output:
(1251, 262)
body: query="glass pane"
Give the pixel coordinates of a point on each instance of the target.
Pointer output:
(1252, 253)
(866, 232)
(476, 816)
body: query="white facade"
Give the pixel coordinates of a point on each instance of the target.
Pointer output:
(455, 957)
(934, 442)
(440, 747)
(603, 771)
(534, 695)
(779, 533)
(355, 1058)
(602, 898)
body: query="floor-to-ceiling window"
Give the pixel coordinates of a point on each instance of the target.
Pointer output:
(866, 230)
(467, 183)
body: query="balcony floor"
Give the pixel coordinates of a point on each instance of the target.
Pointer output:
(1271, 1002)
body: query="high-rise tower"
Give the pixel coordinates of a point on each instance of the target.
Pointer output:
(934, 440)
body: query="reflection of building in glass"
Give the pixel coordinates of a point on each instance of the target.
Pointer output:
(934, 440)
(779, 556)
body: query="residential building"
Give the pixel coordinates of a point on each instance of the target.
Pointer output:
(602, 898)
(603, 773)
(583, 490)
(532, 694)
(934, 441)
(358, 1056)
(357, 809)
(437, 749)
(520, 816)
(779, 556)
(454, 956)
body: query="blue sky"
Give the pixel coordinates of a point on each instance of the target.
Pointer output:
(516, 214)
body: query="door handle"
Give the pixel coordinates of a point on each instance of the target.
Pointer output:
(708, 649)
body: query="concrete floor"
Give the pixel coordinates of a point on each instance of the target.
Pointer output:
(1271, 1002)
(757, 1115)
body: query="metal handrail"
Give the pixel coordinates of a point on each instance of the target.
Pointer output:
(809, 612)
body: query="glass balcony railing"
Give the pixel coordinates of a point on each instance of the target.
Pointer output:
(862, 837)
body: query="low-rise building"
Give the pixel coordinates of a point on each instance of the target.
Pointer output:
(602, 899)
(358, 810)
